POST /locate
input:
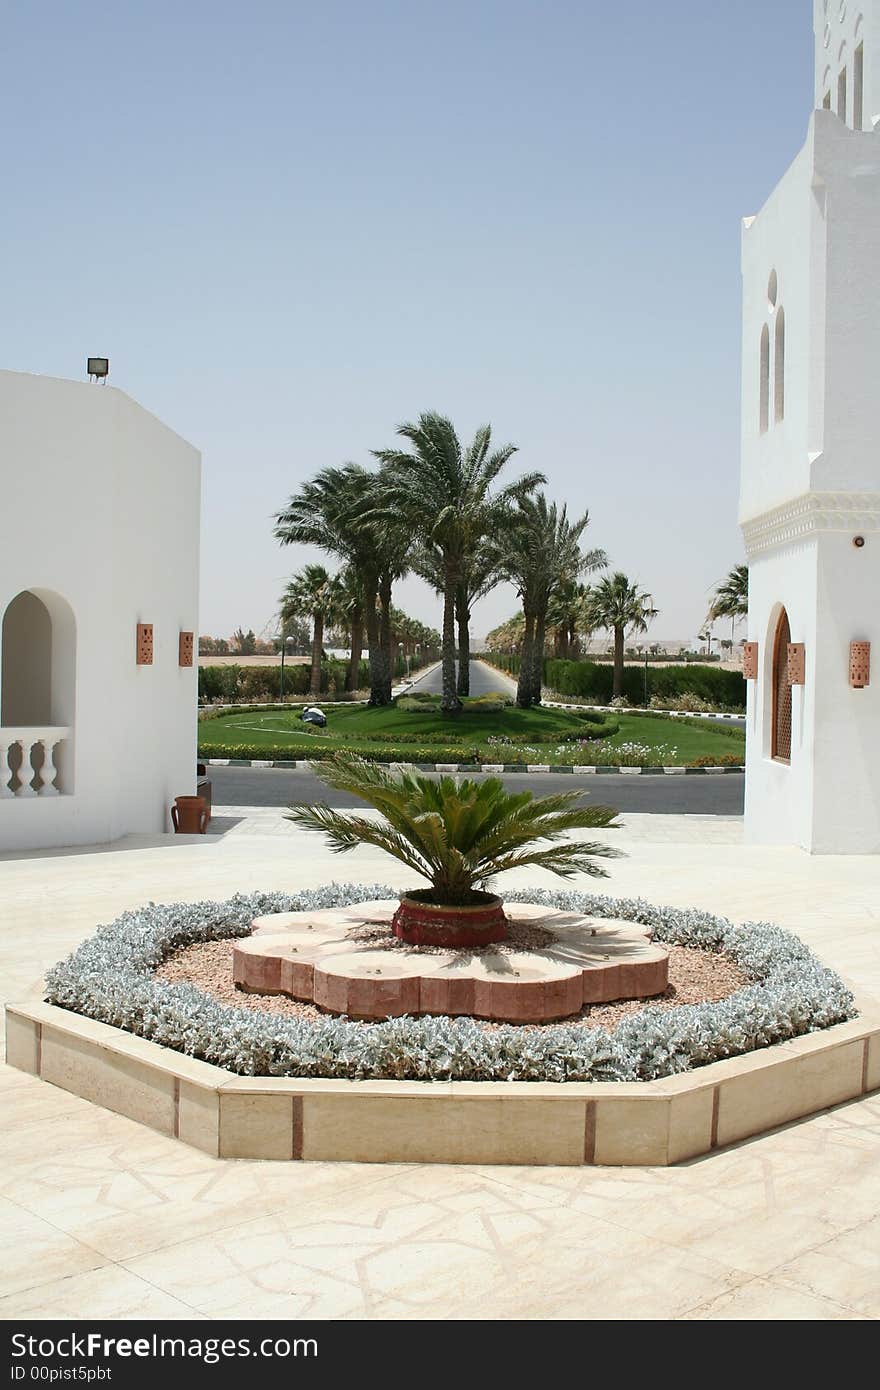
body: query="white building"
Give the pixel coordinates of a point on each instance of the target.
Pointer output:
(810, 489)
(99, 608)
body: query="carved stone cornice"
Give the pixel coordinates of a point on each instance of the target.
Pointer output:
(810, 515)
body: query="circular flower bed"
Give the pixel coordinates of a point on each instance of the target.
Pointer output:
(110, 978)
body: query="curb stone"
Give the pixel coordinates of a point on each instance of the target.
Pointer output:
(600, 769)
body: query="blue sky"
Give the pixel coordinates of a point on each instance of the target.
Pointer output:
(291, 226)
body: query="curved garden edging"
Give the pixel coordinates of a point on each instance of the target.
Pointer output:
(110, 978)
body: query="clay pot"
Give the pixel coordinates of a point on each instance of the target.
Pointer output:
(421, 922)
(190, 815)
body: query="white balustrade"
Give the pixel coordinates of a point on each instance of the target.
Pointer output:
(19, 783)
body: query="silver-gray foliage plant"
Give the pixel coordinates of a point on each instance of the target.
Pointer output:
(111, 978)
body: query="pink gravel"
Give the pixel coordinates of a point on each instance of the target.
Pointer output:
(695, 977)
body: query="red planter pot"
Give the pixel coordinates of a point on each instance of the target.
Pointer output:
(190, 815)
(423, 923)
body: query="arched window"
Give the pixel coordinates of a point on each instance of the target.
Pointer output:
(780, 737)
(765, 379)
(779, 367)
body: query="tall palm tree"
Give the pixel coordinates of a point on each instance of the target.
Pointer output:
(443, 495)
(567, 616)
(540, 553)
(329, 512)
(619, 606)
(351, 611)
(731, 597)
(315, 592)
(479, 576)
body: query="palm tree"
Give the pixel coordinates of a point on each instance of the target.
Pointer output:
(329, 512)
(480, 575)
(350, 608)
(443, 495)
(315, 592)
(567, 616)
(731, 597)
(508, 636)
(619, 606)
(540, 553)
(458, 835)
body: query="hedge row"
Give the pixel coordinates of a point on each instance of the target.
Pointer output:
(231, 683)
(594, 681)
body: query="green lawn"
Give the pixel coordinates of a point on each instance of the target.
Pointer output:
(502, 736)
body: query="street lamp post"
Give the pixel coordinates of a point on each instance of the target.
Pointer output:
(284, 642)
(650, 598)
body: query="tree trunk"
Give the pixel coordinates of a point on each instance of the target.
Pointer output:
(374, 647)
(537, 678)
(617, 688)
(462, 613)
(449, 703)
(317, 648)
(352, 680)
(524, 683)
(385, 636)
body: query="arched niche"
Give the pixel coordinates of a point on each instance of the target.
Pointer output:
(38, 660)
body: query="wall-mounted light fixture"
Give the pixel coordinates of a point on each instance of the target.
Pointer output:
(185, 649)
(797, 664)
(859, 664)
(144, 644)
(750, 661)
(98, 368)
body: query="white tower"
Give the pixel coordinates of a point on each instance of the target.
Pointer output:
(810, 484)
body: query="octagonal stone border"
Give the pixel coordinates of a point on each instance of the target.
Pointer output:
(655, 1123)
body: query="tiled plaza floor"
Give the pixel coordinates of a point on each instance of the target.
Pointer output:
(100, 1217)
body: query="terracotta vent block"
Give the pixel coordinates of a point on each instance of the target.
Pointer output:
(145, 644)
(859, 664)
(750, 661)
(185, 649)
(797, 663)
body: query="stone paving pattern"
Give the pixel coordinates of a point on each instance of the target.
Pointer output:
(100, 1217)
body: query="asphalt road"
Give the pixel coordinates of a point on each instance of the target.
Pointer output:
(484, 681)
(696, 796)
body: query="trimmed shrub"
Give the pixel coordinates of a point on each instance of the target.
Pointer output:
(110, 977)
(247, 683)
(594, 681)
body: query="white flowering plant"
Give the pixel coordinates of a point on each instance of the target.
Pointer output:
(111, 978)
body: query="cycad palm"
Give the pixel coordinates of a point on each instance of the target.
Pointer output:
(457, 834)
(444, 497)
(619, 606)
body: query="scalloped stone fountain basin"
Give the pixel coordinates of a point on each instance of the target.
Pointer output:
(321, 957)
